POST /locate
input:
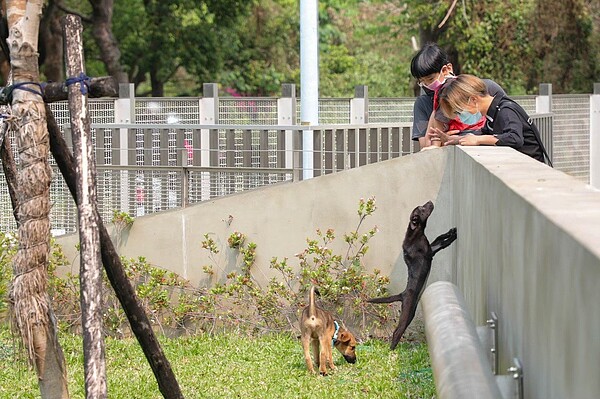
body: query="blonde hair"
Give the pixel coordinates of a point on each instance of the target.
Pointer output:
(455, 93)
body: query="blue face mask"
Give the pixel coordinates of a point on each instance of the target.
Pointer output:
(468, 118)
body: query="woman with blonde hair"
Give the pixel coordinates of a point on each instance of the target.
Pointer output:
(507, 124)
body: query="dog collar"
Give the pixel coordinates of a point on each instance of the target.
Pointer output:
(335, 334)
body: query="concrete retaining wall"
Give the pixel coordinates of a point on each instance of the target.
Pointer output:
(280, 218)
(529, 250)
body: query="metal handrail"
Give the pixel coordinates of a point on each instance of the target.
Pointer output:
(460, 367)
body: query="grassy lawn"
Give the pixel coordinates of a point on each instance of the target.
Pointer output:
(232, 366)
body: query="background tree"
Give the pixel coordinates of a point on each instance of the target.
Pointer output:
(518, 43)
(102, 31)
(51, 43)
(359, 43)
(171, 47)
(565, 48)
(487, 39)
(95, 13)
(264, 50)
(163, 40)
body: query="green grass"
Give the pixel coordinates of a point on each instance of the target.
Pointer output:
(232, 366)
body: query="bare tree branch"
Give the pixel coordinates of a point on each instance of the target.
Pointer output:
(448, 14)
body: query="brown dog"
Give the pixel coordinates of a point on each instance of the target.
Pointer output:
(321, 332)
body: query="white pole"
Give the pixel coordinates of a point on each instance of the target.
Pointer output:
(595, 137)
(309, 79)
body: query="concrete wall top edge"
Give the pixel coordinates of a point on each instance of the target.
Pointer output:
(566, 201)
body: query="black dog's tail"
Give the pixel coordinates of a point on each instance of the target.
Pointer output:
(387, 299)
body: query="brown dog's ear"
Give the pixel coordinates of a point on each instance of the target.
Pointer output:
(344, 337)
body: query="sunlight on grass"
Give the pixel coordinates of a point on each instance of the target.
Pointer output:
(230, 366)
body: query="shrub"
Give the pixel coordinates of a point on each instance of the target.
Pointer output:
(239, 303)
(342, 281)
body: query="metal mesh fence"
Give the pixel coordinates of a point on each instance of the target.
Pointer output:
(333, 110)
(383, 110)
(247, 111)
(144, 191)
(527, 102)
(572, 134)
(167, 110)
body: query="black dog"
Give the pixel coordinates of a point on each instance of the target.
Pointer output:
(418, 254)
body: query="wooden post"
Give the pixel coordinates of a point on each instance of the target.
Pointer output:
(90, 271)
(140, 325)
(104, 86)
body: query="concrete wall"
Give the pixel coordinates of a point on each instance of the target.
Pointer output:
(280, 218)
(528, 246)
(529, 250)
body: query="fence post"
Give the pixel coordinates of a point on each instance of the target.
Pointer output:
(286, 115)
(124, 113)
(595, 137)
(209, 115)
(359, 105)
(543, 102)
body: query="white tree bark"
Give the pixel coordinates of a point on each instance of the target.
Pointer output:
(30, 305)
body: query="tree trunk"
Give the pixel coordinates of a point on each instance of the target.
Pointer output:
(10, 169)
(156, 84)
(102, 11)
(30, 305)
(51, 46)
(90, 272)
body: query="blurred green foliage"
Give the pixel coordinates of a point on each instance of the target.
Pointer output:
(251, 47)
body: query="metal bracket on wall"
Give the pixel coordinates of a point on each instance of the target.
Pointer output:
(517, 374)
(511, 385)
(488, 335)
(492, 323)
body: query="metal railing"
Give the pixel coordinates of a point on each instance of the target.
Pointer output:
(460, 366)
(171, 136)
(143, 168)
(545, 125)
(459, 358)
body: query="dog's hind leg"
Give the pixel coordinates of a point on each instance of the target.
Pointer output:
(324, 354)
(314, 344)
(330, 357)
(443, 241)
(306, 344)
(409, 308)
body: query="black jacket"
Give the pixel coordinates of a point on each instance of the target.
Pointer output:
(511, 130)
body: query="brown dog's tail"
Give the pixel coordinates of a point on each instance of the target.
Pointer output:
(388, 299)
(311, 301)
